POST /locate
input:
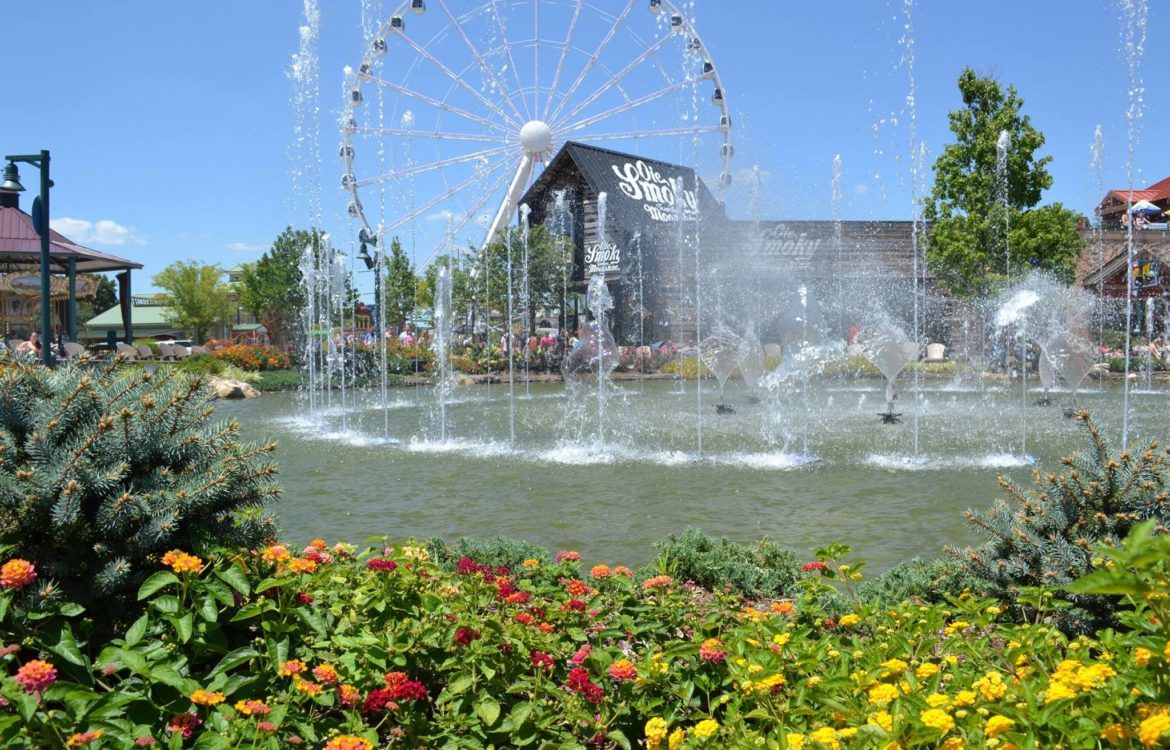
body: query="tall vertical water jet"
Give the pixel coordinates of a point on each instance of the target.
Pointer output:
(917, 155)
(600, 303)
(1002, 146)
(525, 211)
(1097, 166)
(444, 317)
(1013, 313)
(1134, 15)
(838, 242)
(510, 343)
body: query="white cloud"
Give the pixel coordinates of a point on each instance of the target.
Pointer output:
(440, 216)
(101, 232)
(246, 247)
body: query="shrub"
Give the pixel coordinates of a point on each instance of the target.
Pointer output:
(202, 364)
(1045, 537)
(921, 581)
(761, 569)
(280, 380)
(497, 552)
(254, 358)
(103, 470)
(466, 365)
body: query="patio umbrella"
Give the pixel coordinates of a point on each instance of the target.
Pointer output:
(1144, 207)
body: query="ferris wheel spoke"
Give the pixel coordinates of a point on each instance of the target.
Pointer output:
(511, 61)
(697, 130)
(615, 79)
(436, 135)
(439, 104)
(445, 195)
(499, 183)
(480, 60)
(457, 79)
(625, 107)
(594, 57)
(564, 54)
(432, 166)
(523, 170)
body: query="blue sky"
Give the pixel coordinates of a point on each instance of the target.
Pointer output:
(171, 126)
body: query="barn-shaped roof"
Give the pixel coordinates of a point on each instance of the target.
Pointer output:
(639, 191)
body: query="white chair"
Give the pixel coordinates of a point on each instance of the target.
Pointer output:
(74, 350)
(166, 352)
(127, 352)
(772, 350)
(144, 352)
(936, 353)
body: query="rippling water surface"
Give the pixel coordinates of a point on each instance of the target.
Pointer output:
(363, 471)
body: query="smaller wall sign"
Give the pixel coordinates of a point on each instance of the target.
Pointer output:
(603, 257)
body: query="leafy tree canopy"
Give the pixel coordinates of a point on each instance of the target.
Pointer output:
(986, 229)
(196, 296)
(272, 287)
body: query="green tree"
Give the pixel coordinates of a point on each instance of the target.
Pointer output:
(105, 297)
(401, 286)
(272, 288)
(548, 267)
(981, 233)
(196, 296)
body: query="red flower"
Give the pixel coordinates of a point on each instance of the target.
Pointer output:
(569, 555)
(623, 670)
(303, 598)
(812, 567)
(464, 636)
(712, 651)
(582, 654)
(17, 573)
(144, 741)
(577, 588)
(266, 726)
(524, 618)
(403, 688)
(379, 700)
(542, 660)
(381, 564)
(185, 724)
(580, 683)
(573, 605)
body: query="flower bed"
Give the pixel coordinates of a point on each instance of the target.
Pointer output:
(333, 648)
(254, 358)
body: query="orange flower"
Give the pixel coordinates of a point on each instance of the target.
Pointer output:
(17, 573)
(622, 570)
(783, 608)
(318, 543)
(308, 688)
(325, 673)
(276, 553)
(600, 571)
(348, 742)
(204, 698)
(657, 582)
(181, 562)
(623, 670)
(291, 668)
(84, 738)
(36, 675)
(253, 708)
(577, 588)
(348, 695)
(302, 565)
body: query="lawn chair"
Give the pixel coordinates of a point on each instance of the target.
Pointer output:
(144, 352)
(181, 352)
(13, 343)
(127, 352)
(74, 350)
(199, 350)
(166, 352)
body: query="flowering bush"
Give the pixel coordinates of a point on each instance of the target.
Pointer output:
(331, 648)
(254, 358)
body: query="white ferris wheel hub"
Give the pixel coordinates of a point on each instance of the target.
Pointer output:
(536, 136)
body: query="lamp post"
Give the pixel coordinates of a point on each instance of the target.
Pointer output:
(40, 217)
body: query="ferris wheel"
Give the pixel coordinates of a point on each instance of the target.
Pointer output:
(458, 105)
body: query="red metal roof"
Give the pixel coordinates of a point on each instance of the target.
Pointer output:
(20, 243)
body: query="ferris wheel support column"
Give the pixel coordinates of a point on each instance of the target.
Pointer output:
(523, 172)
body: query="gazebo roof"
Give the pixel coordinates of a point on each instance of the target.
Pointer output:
(21, 245)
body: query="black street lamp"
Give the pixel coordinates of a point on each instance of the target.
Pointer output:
(40, 219)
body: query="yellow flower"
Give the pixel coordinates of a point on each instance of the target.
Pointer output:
(302, 565)
(882, 693)
(965, 698)
(991, 686)
(655, 732)
(308, 688)
(705, 728)
(1114, 733)
(531, 562)
(1142, 656)
(181, 562)
(677, 737)
(926, 670)
(826, 736)
(1058, 691)
(894, 666)
(813, 681)
(849, 620)
(1166, 651)
(782, 638)
(937, 700)
(956, 626)
(1150, 731)
(952, 743)
(936, 719)
(994, 611)
(997, 725)
(795, 741)
(881, 719)
(204, 698)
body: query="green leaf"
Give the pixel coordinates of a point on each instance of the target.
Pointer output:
(235, 659)
(71, 609)
(488, 710)
(236, 578)
(209, 612)
(311, 619)
(208, 741)
(168, 604)
(184, 626)
(459, 684)
(167, 676)
(59, 639)
(620, 738)
(155, 582)
(137, 631)
(520, 713)
(269, 583)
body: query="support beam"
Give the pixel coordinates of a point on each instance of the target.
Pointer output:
(71, 310)
(523, 172)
